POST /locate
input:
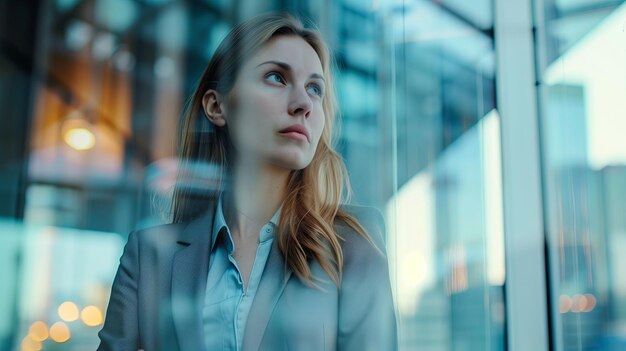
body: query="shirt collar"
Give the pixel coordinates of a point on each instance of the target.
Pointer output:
(220, 222)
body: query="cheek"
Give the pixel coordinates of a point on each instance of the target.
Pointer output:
(318, 124)
(259, 107)
(252, 120)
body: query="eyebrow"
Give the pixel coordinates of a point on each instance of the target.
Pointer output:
(287, 67)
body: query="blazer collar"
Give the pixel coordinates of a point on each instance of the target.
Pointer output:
(273, 281)
(189, 272)
(189, 278)
(219, 222)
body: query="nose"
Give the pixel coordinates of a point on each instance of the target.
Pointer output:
(300, 103)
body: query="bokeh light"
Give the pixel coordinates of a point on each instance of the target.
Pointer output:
(29, 344)
(77, 132)
(38, 331)
(80, 138)
(68, 311)
(91, 316)
(591, 303)
(579, 303)
(565, 303)
(59, 332)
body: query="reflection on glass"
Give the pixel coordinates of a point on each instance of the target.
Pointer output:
(584, 153)
(62, 281)
(420, 138)
(445, 215)
(450, 258)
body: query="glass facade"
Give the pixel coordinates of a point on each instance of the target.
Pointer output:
(92, 92)
(581, 92)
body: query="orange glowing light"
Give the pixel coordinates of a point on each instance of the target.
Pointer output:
(579, 303)
(29, 344)
(80, 138)
(565, 303)
(68, 311)
(77, 133)
(591, 303)
(91, 316)
(59, 332)
(38, 331)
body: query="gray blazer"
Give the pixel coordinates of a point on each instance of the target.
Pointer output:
(157, 295)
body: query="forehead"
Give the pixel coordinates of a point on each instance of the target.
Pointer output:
(292, 50)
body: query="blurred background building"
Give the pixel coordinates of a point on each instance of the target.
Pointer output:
(491, 133)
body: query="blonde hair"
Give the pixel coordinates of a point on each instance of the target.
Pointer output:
(306, 227)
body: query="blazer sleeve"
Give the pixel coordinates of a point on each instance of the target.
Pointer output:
(367, 317)
(120, 330)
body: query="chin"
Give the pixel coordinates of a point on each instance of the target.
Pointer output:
(295, 165)
(292, 163)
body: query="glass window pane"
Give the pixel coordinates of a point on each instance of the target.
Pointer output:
(445, 207)
(582, 96)
(94, 94)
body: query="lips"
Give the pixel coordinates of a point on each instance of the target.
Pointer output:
(297, 128)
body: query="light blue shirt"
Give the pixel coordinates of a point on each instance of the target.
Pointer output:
(226, 304)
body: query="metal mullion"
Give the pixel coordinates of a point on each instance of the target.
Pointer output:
(525, 287)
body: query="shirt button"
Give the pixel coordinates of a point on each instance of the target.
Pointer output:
(268, 230)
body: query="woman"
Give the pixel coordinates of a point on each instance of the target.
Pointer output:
(270, 260)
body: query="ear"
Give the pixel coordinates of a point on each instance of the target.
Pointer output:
(213, 107)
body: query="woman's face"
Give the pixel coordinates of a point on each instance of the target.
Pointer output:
(280, 86)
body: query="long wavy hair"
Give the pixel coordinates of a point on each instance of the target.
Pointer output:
(311, 206)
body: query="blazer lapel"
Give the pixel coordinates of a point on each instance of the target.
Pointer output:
(189, 275)
(271, 286)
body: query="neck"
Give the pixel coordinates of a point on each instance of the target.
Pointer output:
(256, 193)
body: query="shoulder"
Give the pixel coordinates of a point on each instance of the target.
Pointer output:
(157, 236)
(365, 267)
(374, 223)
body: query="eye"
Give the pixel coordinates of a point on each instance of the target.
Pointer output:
(317, 90)
(277, 77)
